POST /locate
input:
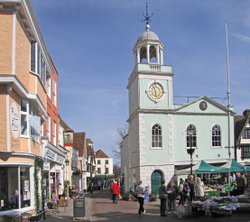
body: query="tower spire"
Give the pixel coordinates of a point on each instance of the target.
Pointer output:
(147, 18)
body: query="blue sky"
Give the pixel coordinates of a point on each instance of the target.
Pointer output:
(91, 44)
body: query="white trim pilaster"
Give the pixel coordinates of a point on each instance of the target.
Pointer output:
(13, 62)
(9, 89)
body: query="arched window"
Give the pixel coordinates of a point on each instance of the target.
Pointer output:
(216, 136)
(143, 55)
(152, 54)
(191, 136)
(156, 136)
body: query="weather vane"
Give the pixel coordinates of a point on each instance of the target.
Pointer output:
(147, 17)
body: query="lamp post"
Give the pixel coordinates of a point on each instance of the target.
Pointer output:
(191, 132)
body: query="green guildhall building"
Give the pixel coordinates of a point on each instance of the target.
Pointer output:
(163, 137)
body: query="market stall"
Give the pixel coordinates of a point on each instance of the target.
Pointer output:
(202, 167)
(218, 201)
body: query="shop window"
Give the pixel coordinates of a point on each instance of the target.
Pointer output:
(25, 186)
(11, 179)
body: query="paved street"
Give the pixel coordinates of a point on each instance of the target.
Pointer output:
(100, 208)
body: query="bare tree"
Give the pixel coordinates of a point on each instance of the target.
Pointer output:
(122, 132)
(116, 170)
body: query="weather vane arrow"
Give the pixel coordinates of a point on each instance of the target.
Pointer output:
(147, 17)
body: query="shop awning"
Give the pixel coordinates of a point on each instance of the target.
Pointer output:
(202, 167)
(235, 166)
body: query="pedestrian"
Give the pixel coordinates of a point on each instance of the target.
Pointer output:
(146, 195)
(163, 198)
(115, 190)
(140, 197)
(191, 186)
(172, 192)
(186, 191)
(245, 179)
(240, 184)
(199, 189)
(180, 190)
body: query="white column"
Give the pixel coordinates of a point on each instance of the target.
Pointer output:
(138, 55)
(158, 54)
(148, 55)
(162, 61)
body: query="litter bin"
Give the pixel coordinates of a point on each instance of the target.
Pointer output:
(79, 208)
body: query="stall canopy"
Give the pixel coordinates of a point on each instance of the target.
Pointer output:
(202, 167)
(235, 166)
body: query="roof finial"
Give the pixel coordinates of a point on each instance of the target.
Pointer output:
(147, 18)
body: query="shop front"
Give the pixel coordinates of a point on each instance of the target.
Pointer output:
(54, 165)
(16, 186)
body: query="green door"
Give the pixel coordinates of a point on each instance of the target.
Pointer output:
(156, 179)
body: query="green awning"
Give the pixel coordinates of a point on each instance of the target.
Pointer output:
(235, 166)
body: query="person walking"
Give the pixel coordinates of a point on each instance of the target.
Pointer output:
(115, 191)
(180, 189)
(191, 186)
(172, 192)
(140, 197)
(185, 192)
(163, 198)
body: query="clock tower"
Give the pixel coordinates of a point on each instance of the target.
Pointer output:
(150, 133)
(150, 83)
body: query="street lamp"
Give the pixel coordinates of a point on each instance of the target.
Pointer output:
(191, 144)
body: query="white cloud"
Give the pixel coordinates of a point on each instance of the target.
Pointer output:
(241, 37)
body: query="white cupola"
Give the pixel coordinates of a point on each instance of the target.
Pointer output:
(148, 48)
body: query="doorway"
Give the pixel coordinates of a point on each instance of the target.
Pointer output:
(156, 179)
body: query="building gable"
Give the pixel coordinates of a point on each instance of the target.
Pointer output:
(202, 105)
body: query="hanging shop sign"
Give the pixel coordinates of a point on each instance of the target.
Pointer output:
(68, 137)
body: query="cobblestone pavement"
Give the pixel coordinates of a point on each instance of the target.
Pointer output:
(99, 207)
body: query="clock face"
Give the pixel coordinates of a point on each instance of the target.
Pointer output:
(203, 105)
(155, 91)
